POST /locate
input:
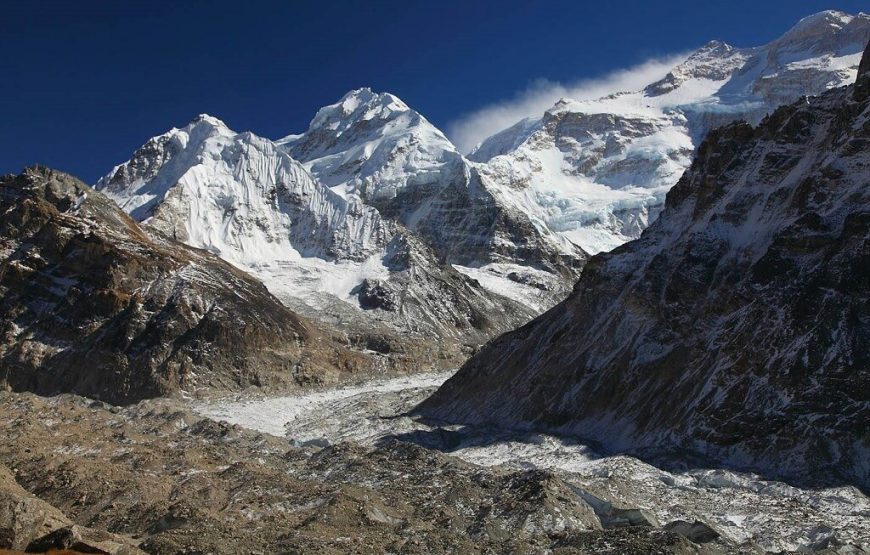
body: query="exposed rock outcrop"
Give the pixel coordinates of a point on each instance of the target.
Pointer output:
(31, 524)
(862, 83)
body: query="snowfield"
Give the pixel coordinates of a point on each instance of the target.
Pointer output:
(741, 506)
(277, 415)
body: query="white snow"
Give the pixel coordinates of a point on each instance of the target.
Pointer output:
(273, 414)
(241, 197)
(372, 145)
(596, 171)
(315, 281)
(528, 286)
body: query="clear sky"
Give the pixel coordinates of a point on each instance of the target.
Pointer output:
(84, 83)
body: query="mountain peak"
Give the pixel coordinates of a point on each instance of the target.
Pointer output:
(206, 118)
(366, 95)
(816, 28)
(205, 125)
(714, 61)
(357, 105)
(821, 21)
(712, 48)
(373, 145)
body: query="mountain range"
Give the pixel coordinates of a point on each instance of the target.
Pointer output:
(372, 220)
(372, 226)
(658, 302)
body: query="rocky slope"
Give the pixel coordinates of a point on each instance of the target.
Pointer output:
(734, 327)
(325, 253)
(175, 483)
(94, 304)
(29, 523)
(596, 171)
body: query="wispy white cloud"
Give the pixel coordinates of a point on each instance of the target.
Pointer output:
(470, 129)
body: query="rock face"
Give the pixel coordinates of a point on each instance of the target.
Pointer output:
(94, 304)
(736, 326)
(862, 83)
(596, 172)
(29, 523)
(23, 517)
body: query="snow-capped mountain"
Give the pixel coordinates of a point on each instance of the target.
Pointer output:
(736, 325)
(596, 171)
(373, 147)
(241, 197)
(323, 217)
(324, 253)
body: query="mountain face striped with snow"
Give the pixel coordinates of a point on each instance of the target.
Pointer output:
(324, 253)
(596, 171)
(736, 326)
(373, 147)
(241, 197)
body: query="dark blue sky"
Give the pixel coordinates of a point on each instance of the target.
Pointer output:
(84, 83)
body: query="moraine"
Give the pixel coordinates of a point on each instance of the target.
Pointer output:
(741, 506)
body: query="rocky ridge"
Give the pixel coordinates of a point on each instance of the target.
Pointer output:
(733, 328)
(94, 304)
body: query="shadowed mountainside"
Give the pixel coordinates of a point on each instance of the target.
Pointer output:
(736, 326)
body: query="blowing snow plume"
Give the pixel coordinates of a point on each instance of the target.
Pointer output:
(472, 128)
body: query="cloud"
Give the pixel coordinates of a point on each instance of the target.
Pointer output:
(472, 128)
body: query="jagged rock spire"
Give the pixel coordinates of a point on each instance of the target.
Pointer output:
(864, 68)
(862, 83)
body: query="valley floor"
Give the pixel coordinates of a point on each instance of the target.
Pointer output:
(742, 507)
(345, 470)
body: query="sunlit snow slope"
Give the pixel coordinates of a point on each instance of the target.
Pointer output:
(596, 171)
